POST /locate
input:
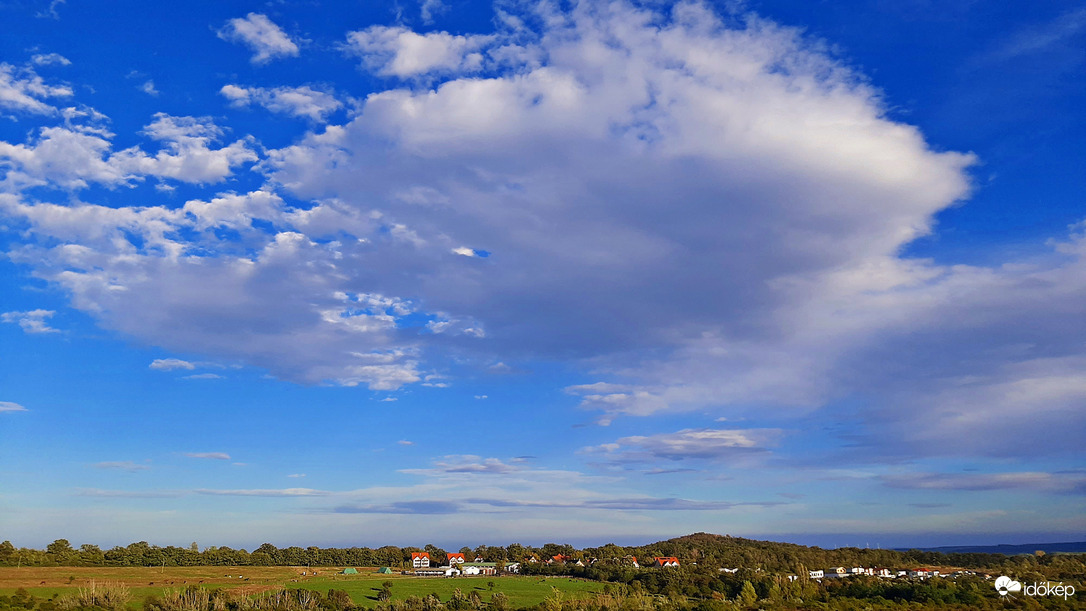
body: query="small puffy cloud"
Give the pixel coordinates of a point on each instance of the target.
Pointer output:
(397, 51)
(186, 154)
(266, 39)
(33, 321)
(464, 251)
(22, 90)
(148, 87)
(122, 465)
(209, 455)
(171, 364)
(8, 406)
(73, 157)
(293, 101)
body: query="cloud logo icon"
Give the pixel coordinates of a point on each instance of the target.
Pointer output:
(1005, 585)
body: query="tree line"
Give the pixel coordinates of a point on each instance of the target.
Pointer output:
(612, 562)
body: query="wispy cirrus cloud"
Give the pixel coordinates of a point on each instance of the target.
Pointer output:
(284, 492)
(8, 407)
(122, 465)
(688, 444)
(129, 494)
(1073, 482)
(208, 455)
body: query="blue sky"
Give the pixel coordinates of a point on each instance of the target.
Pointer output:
(366, 273)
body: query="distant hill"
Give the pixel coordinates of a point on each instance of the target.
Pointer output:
(1078, 547)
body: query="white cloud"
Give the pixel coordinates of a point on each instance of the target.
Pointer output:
(284, 492)
(204, 376)
(148, 87)
(296, 475)
(73, 157)
(50, 59)
(209, 455)
(186, 154)
(405, 442)
(707, 215)
(22, 90)
(32, 321)
(1064, 482)
(261, 35)
(429, 8)
(8, 406)
(294, 101)
(397, 51)
(122, 465)
(704, 444)
(171, 364)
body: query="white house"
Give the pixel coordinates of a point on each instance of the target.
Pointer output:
(455, 558)
(437, 571)
(836, 572)
(420, 560)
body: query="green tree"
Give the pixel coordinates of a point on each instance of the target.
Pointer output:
(747, 595)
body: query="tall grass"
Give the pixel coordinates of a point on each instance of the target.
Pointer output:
(111, 595)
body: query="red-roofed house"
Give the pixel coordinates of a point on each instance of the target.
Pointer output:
(666, 561)
(456, 558)
(420, 560)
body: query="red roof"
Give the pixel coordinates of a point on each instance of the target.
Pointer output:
(420, 555)
(455, 555)
(663, 559)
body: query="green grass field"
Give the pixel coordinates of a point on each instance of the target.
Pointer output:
(47, 582)
(522, 591)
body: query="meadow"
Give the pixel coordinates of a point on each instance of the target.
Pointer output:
(363, 588)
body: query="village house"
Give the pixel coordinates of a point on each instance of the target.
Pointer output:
(488, 568)
(819, 574)
(437, 571)
(455, 558)
(666, 561)
(420, 560)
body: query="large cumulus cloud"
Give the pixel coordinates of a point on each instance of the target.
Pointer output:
(703, 211)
